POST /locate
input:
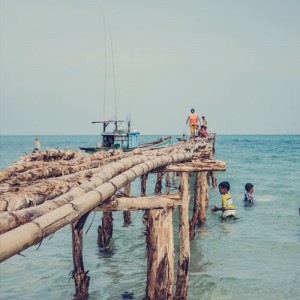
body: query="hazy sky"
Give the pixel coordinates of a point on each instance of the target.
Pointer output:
(236, 62)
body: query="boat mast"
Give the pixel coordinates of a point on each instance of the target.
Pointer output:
(105, 68)
(113, 66)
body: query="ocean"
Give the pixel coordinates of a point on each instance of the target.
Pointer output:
(255, 257)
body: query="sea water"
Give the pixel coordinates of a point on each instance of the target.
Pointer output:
(255, 257)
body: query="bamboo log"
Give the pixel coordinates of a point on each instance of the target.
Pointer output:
(184, 240)
(9, 221)
(160, 253)
(46, 167)
(24, 236)
(20, 197)
(80, 277)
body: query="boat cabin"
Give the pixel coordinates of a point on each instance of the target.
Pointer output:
(126, 138)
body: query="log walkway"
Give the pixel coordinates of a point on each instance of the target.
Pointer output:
(45, 191)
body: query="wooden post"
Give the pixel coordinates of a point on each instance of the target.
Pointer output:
(105, 231)
(214, 179)
(160, 253)
(127, 214)
(184, 239)
(80, 276)
(194, 220)
(158, 185)
(214, 142)
(168, 181)
(200, 202)
(202, 196)
(143, 184)
(174, 178)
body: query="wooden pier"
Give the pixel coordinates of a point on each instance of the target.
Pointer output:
(45, 191)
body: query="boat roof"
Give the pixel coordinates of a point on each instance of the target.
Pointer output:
(119, 134)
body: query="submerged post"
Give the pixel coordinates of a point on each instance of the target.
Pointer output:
(158, 185)
(200, 202)
(143, 184)
(80, 276)
(105, 231)
(168, 181)
(184, 239)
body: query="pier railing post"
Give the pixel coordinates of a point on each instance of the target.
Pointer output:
(184, 239)
(80, 276)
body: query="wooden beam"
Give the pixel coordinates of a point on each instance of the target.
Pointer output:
(208, 165)
(139, 203)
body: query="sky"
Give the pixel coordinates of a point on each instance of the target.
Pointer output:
(66, 63)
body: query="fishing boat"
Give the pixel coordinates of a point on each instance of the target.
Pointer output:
(119, 138)
(161, 142)
(123, 138)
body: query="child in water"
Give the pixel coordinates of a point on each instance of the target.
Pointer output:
(228, 211)
(248, 198)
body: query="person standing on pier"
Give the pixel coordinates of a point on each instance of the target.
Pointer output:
(204, 122)
(228, 210)
(193, 119)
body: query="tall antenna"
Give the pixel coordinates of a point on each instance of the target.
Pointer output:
(105, 65)
(113, 65)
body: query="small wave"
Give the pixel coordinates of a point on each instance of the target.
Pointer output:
(264, 198)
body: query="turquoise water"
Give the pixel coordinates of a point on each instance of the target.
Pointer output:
(255, 257)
